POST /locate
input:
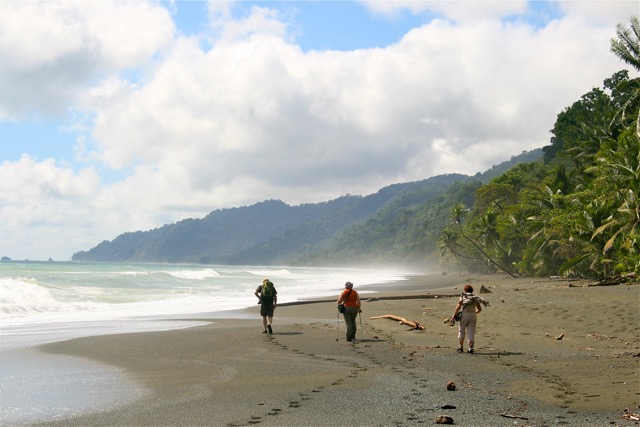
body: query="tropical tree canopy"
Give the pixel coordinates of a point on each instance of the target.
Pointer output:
(577, 211)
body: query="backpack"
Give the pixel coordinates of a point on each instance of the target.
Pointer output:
(267, 293)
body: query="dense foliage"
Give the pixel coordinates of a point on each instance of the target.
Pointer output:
(576, 213)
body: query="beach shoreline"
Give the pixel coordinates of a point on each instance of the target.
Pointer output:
(549, 351)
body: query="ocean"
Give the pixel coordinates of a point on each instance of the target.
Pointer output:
(48, 301)
(42, 302)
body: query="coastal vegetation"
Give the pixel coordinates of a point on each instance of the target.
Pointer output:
(569, 209)
(577, 213)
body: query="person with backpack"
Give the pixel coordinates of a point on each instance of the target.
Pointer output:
(350, 300)
(267, 298)
(468, 306)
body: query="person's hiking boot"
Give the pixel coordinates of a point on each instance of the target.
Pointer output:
(470, 351)
(264, 332)
(270, 330)
(460, 350)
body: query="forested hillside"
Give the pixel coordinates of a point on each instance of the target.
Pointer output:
(265, 233)
(399, 224)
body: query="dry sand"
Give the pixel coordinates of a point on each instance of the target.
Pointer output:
(228, 373)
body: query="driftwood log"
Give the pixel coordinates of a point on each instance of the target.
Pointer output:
(514, 416)
(630, 416)
(617, 280)
(423, 296)
(378, 298)
(414, 325)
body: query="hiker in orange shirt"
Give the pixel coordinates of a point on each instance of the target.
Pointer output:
(352, 307)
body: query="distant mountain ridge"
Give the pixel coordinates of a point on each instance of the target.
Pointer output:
(272, 232)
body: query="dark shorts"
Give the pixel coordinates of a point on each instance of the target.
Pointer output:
(266, 310)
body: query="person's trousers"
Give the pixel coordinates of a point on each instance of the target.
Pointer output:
(350, 315)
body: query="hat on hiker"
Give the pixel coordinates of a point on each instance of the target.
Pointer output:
(348, 285)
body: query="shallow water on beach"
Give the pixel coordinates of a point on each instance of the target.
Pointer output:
(43, 387)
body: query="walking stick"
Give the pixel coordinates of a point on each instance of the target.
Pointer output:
(338, 325)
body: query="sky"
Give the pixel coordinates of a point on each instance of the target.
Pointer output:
(119, 116)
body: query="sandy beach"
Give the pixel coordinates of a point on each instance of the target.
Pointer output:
(548, 352)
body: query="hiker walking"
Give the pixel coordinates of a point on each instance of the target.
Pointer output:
(468, 305)
(351, 301)
(268, 297)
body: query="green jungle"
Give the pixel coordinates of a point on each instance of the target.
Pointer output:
(576, 213)
(570, 209)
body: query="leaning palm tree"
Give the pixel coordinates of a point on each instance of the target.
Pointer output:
(457, 214)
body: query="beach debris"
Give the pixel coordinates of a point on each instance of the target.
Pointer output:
(451, 386)
(630, 416)
(518, 417)
(403, 297)
(484, 290)
(559, 337)
(444, 419)
(448, 407)
(616, 280)
(414, 325)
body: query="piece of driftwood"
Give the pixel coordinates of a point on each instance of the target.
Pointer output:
(414, 325)
(424, 296)
(514, 416)
(630, 416)
(379, 298)
(617, 280)
(303, 302)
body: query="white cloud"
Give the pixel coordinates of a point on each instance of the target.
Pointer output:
(52, 50)
(44, 208)
(260, 20)
(246, 110)
(254, 117)
(602, 12)
(470, 10)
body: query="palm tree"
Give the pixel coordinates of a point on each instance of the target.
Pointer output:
(627, 48)
(618, 172)
(458, 212)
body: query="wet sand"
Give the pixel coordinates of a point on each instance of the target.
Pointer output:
(548, 352)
